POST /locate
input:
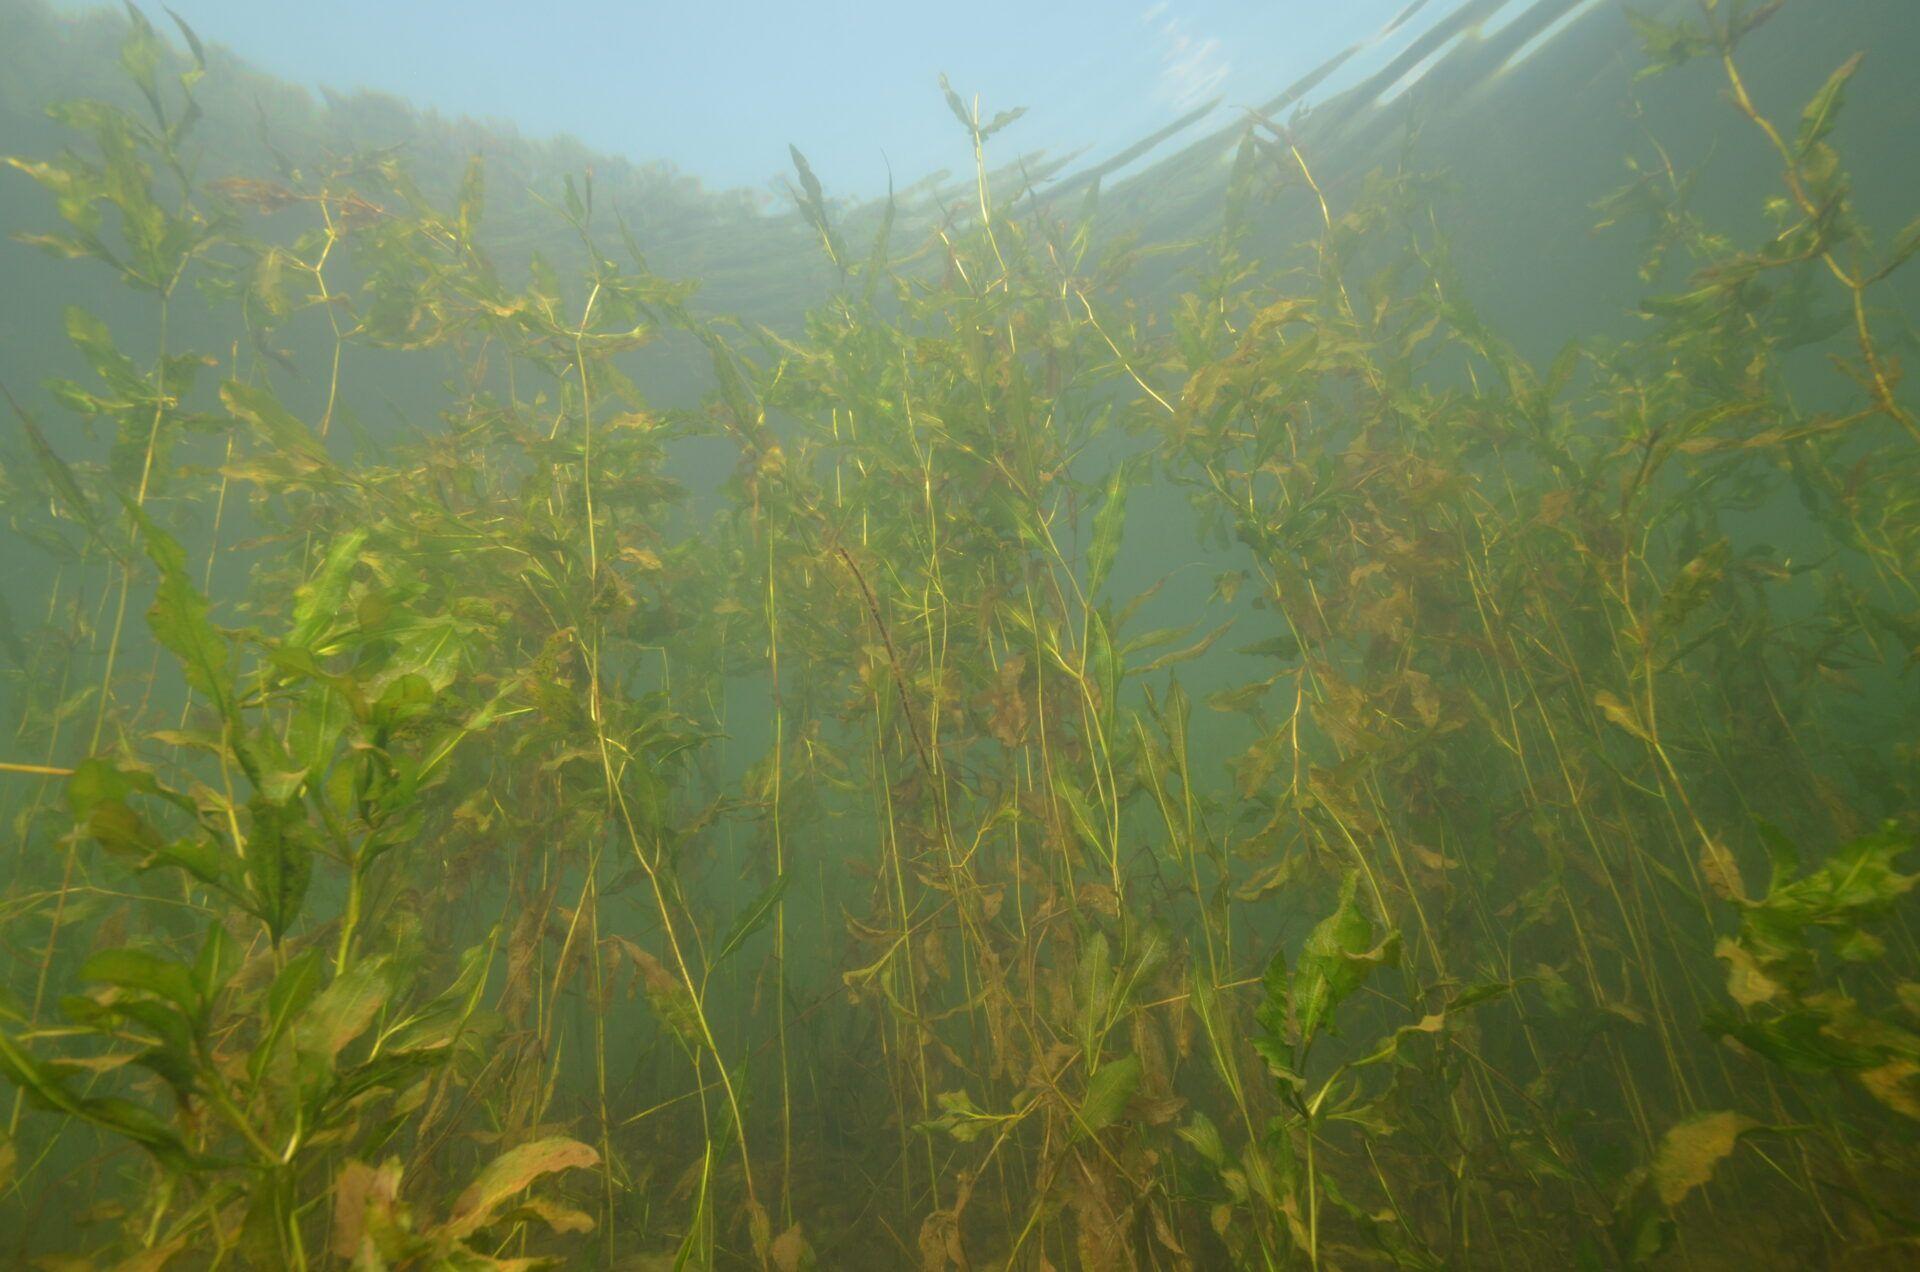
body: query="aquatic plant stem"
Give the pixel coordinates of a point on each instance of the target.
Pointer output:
(780, 912)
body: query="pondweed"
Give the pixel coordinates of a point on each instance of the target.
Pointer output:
(967, 937)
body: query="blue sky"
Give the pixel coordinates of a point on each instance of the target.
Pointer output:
(719, 87)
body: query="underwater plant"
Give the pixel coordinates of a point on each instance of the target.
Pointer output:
(493, 840)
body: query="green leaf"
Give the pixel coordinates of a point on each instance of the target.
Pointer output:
(1905, 244)
(274, 424)
(1108, 1091)
(46, 1090)
(1336, 960)
(1666, 44)
(960, 1117)
(59, 477)
(1108, 523)
(1856, 883)
(579, 206)
(320, 716)
(1205, 1138)
(95, 342)
(1093, 991)
(407, 697)
(188, 34)
(140, 57)
(1000, 120)
(1436, 1022)
(319, 600)
(1283, 647)
(958, 107)
(752, 919)
(1186, 653)
(292, 990)
(142, 970)
(436, 1025)
(813, 205)
(876, 265)
(97, 793)
(668, 995)
(1103, 665)
(1781, 853)
(1150, 946)
(10, 637)
(1080, 813)
(165, 1020)
(1272, 1018)
(179, 620)
(1796, 1040)
(1823, 111)
(343, 1010)
(472, 196)
(279, 862)
(218, 960)
(205, 860)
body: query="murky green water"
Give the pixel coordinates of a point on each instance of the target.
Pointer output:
(1340, 696)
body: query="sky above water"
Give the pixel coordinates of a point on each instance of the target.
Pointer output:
(720, 87)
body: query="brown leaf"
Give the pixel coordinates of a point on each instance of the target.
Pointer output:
(790, 1251)
(1693, 1149)
(1620, 713)
(508, 1173)
(1895, 1084)
(350, 1207)
(152, 1260)
(1163, 1231)
(261, 196)
(1746, 982)
(556, 1216)
(1721, 871)
(760, 1227)
(1908, 992)
(1267, 879)
(1008, 718)
(1426, 701)
(940, 1242)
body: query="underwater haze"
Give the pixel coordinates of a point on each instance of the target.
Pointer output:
(1203, 636)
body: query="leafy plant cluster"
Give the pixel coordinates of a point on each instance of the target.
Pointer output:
(341, 877)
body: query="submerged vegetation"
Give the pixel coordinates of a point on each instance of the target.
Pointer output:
(472, 848)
